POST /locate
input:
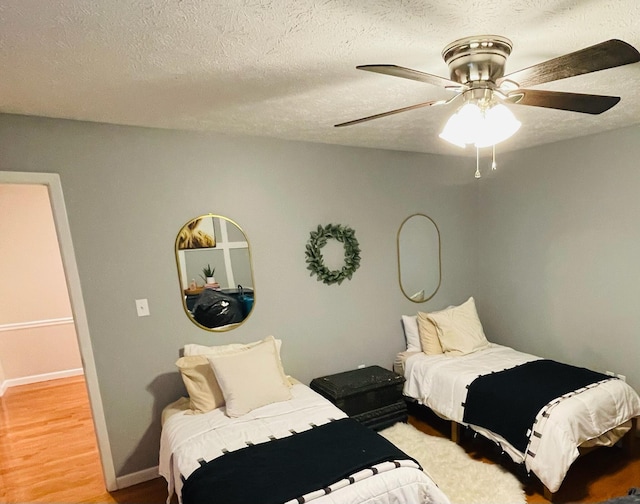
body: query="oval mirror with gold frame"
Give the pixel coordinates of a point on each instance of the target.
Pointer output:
(215, 273)
(419, 259)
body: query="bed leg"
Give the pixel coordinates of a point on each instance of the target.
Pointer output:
(548, 494)
(456, 429)
(629, 438)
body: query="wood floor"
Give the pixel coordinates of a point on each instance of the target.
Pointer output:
(48, 454)
(48, 450)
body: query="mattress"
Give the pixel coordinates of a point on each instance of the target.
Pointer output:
(188, 438)
(599, 414)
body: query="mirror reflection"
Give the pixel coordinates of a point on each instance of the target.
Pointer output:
(419, 269)
(214, 268)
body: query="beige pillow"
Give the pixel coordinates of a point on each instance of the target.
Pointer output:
(251, 379)
(200, 382)
(428, 335)
(198, 377)
(459, 329)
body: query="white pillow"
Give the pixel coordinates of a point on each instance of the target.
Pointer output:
(411, 334)
(195, 349)
(459, 329)
(251, 379)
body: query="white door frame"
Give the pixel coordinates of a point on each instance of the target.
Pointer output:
(63, 231)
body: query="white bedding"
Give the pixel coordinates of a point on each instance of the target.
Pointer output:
(187, 438)
(440, 383)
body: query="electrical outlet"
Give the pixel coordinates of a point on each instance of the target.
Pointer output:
(142, 307)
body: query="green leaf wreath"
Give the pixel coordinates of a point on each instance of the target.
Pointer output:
(315, 261)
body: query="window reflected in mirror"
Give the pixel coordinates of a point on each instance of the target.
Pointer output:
(419, 266)
(215, 272)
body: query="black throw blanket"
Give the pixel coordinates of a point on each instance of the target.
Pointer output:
(507, 402)
(276, 471)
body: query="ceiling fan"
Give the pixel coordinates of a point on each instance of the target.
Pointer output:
(476, 67)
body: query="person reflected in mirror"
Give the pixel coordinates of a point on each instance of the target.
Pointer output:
(192, 238)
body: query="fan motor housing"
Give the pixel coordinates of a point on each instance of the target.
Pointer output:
(479, 58)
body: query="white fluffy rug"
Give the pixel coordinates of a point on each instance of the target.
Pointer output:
(464, 480)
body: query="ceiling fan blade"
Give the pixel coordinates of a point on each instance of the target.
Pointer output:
(609, 54)
(391, 112)
(574, 102)
(408, 73)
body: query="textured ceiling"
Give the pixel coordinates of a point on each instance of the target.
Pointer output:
(286, 69)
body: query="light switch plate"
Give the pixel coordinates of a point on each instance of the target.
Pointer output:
(142, 307)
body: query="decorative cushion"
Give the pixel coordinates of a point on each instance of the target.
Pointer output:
(410, 325)
(198, 377)
(251, 379)
(200, 382)
(459, 329)
(429, 339)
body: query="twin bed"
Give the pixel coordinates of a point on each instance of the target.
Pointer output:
(298, 449)
(581, 409)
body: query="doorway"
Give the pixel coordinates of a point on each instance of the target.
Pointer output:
(37, 336)
(52, 182)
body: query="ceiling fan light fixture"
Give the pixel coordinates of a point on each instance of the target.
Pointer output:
(482, 127)
(461, 126)
(500, 124)
(477, 74)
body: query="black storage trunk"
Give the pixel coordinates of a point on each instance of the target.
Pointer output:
(372, 395)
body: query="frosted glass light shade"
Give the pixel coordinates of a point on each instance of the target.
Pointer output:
(471, 125)
(500, 124)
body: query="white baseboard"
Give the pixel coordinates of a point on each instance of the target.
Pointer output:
(26, 380)
(36, 323)
(137, 477)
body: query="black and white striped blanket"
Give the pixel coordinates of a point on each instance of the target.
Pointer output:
(508, 402)
(297, 468)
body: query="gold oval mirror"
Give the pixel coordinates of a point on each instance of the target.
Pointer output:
(215, 273)
(419, 266)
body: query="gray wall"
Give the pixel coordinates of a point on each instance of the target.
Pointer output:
(128, 191)
(559, 252)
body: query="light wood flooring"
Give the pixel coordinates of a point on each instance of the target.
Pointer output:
(48, 454)
(48, 450)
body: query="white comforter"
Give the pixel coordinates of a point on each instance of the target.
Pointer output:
(440, 383)
(187, 438)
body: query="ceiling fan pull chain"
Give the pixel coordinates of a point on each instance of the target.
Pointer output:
(493, 162)
(478, 163)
